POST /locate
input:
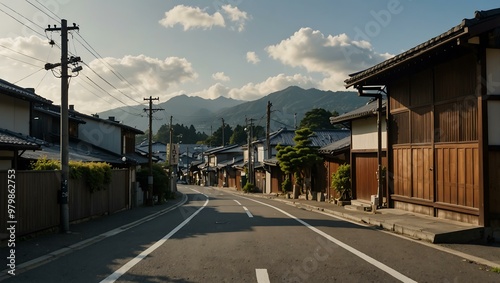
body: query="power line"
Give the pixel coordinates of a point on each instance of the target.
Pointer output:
(23, 23)
(12, 58)
(110, 84)
(29, 75)
(21, 53)
(56, 20)
(22, 16)
(98, 56)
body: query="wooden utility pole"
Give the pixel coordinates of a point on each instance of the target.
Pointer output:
(223, 126)
(64, 135)
(150, 110)
(268, 130)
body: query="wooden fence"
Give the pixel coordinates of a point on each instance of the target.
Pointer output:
(36, 195)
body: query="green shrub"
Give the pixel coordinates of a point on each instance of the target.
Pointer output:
(96, 175)
(248, 188)
(286, 186)
(161, 184)
(341, 182)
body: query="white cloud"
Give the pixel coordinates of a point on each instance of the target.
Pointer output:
(253, 91)
(213, 92)
(252, 57)
(191, 17)
(333, 56)
(220, 76)
(194, 17)
(236, 16)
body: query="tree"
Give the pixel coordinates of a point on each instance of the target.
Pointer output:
(299, 159)
(318, 119)
(239, 135)
(216, 138)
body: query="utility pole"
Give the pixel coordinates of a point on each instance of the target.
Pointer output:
(171, 167)
(149, 198)
(268, 130)
(222, 131)
(64, 135)
(250, 151)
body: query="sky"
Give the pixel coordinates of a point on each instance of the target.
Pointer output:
(241, 49)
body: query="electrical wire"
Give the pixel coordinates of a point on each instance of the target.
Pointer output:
(21, 53)
(96, 54)
(28, 75)
(110, 84)
(22, 23)
(12, 58)
(57, 20)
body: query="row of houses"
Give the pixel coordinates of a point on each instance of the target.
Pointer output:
(439, 142)
(30, 130)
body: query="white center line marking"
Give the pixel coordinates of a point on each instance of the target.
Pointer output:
(401, 277)
(262, 276)
(122, 270)
(248, 212)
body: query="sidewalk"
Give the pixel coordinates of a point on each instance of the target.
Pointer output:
(466, 240)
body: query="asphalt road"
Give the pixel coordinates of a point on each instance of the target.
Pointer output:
(217, 236)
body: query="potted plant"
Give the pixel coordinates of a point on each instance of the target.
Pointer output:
(341, 183)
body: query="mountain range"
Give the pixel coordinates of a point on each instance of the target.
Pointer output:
(288, 108)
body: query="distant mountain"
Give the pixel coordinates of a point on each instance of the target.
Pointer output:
(182, 108)
(290, 101)
(205, 114)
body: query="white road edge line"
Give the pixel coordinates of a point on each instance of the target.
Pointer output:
(262, 276)
(237, 202)
(248, 212)
(122, 270)
(82, 244)
(365, 257)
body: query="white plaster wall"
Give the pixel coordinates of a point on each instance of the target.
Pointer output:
(493, 71)
(493, 118)
(364, 134)
(101, 134)
(14, 114)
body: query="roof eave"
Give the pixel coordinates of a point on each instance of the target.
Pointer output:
(359, 78)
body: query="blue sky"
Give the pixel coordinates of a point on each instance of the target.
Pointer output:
(243, 49)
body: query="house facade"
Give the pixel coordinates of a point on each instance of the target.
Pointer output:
(364, 148)
(442, 108)
(16, 118)
(273, 177)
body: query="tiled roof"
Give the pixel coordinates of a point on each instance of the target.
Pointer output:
(80, 151)
(337, 146)
(11, 140)
(19, 92)
(369, 109)
(464, 28)
(320, 138)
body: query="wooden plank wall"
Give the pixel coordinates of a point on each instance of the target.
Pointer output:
(457, 174)
(494, 194)
(36, 192)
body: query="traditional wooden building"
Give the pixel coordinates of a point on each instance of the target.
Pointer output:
(364, 148)
(274, 177)
(443, 104)
(334, 155)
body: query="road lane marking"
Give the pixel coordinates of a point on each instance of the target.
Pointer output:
(41, 260)
(365, 257)
(122, 270)
(237, 202)
(262, 276)
(248, 212)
